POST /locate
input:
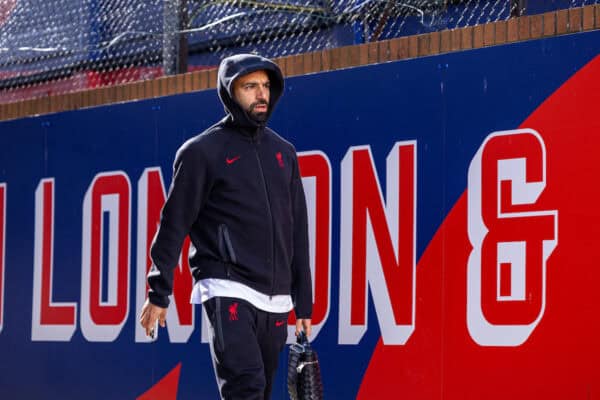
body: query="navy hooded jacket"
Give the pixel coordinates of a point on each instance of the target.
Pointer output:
(237, 192)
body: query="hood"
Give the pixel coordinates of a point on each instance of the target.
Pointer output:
(232, 68)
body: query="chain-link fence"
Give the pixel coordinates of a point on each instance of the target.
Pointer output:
(57, 46)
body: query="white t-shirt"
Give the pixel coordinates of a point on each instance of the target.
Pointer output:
(205, 289)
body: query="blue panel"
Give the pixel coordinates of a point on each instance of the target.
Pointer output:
(448, 103)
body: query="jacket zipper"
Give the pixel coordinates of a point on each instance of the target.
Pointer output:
(228, 245)
(272, 247)
(226, 248)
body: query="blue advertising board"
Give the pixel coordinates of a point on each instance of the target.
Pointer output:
(78, 190)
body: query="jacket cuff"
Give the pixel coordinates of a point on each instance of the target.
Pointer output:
(303, 311)
(158, 300)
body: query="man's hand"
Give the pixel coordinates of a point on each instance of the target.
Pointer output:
(303, 324)
(151, 313)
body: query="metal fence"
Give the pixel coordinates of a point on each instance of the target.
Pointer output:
(60, 46)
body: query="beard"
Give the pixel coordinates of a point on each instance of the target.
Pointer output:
(258, 116)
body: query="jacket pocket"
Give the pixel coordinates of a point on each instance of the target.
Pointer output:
(225, 245)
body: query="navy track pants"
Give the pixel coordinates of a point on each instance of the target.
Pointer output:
(245, 344)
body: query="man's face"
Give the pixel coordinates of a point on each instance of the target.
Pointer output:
(252, 92)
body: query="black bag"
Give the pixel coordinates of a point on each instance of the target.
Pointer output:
(304, 374)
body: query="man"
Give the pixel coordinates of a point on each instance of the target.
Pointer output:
(237, 193)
